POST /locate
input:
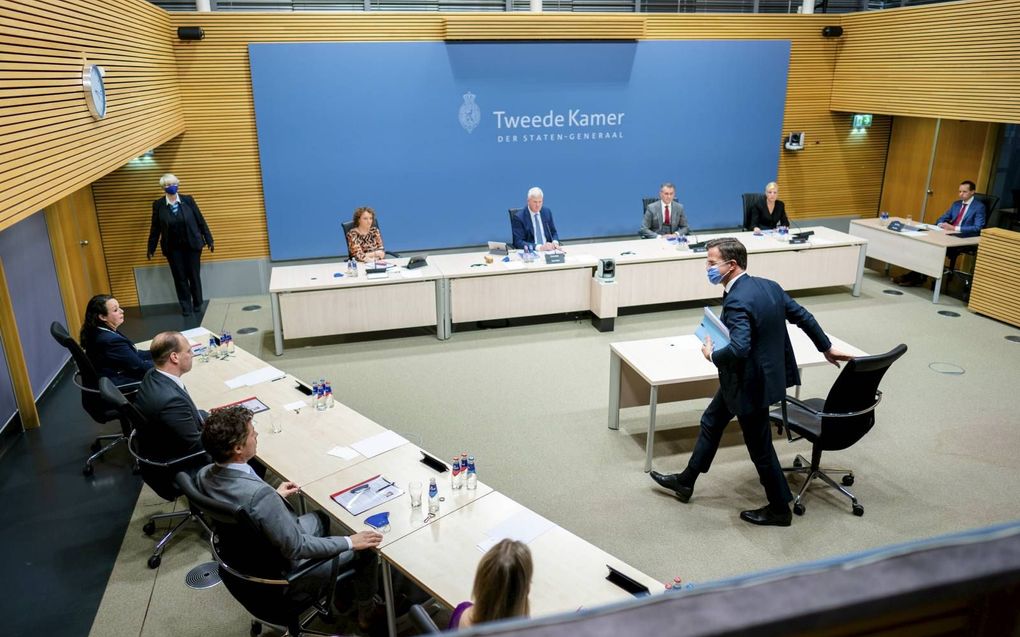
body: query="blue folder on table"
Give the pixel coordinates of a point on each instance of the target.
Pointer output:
(713, 327)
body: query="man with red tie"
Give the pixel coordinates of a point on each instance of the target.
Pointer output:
(665, 216)
(966, 216)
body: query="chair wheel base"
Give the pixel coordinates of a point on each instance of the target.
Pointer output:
(798, 509)
(149, 528)
(848, 480)
(256, 629)
(95, 446)
(154, 561)
(87, 470)
(858, 510)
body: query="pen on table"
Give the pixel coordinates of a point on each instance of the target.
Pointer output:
(385, 486)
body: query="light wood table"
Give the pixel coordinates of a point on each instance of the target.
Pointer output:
(655, 270)
(311, 300)
(659, 370)
(569, 572)
(924, 253)
(478, 291)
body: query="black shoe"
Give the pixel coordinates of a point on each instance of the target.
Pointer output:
(671, 481)
(765, 516)
(185, 312)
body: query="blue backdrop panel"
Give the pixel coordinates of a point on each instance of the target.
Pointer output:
(442, 138)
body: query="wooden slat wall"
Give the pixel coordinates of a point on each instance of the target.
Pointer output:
(535, 26)
(996, 288)
(217, 159)
(957, 60)
(49, 144)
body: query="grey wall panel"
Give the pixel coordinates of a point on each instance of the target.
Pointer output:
(35, 294)
(219, 279)
(8, 404)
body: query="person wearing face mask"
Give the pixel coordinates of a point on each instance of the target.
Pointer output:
(755, 369)
(179, 227)
(112, 354)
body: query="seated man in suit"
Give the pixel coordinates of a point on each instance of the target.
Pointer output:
(665, 216)
(534, 224)
(232, 441)
(966, 216)
(175, 423)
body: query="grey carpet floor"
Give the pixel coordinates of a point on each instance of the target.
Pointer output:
(530, 403)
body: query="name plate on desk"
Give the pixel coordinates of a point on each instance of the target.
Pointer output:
(554, 257)
(375, 273)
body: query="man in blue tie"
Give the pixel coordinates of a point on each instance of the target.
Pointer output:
(534, 225)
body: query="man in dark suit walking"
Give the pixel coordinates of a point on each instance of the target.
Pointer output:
(755, 369)
(174, 422)
(179, 227)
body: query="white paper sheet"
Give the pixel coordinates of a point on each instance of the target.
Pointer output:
(344, 453)
(196, 333)
(523, 526)
(380, 443)
(254, 378)
(296, 405)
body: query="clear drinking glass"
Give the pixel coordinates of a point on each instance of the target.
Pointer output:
(414, 490)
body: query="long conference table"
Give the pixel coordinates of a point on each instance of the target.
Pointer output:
(441, 555)
(322, 300)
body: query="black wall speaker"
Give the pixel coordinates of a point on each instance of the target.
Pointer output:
(832, 31)
(196, 33)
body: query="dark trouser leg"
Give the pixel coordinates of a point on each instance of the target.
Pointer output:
(194, 266)
(713, 424)
(758, 438)
(365, 563)
(178, 269)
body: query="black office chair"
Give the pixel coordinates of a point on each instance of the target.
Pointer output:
(423, 621)
(158, 475)
(510, 214)
(837, 422)
(87, 380)
(257, 574)
(749, 199)
(645, 202)
(346, 226)
(953, 255)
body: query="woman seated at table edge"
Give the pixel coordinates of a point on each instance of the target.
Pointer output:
(112, 354)
(501, 587)
(364, 240)
(769, 212)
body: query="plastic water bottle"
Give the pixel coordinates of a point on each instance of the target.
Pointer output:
(328, 392)
(471, 482)
(463, 467)
(455, 477)
(213, 351)
(681, 243)
(230, 343)
(203, 352)
(884, 217)
(433, 496)
(320, 396)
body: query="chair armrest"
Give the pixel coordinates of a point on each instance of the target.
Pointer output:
(825, 414)
(311, 565)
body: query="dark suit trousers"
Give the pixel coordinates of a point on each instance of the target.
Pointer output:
(757, 438)
(365, 563)
(184, 266)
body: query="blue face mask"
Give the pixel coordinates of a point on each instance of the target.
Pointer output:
(714, 276)
(171, 189)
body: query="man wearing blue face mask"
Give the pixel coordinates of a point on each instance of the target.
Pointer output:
(179, 227)
(755, 369)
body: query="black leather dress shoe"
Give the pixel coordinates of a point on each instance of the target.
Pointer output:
(671, 481)
(765, 516)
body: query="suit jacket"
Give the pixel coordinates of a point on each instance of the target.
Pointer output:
(758, 364)
(174, 424)
(760, 217)
(652, 226)
(115, 356)
(524, 231)
(295, 537)
(197, 232)
(973, 220)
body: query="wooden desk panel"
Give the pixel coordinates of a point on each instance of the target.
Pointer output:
(528, 293)
(358, 309)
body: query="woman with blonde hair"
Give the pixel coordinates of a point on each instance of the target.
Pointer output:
(770, 212)
(502, 584)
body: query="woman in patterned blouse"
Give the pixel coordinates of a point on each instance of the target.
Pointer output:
(364, 239)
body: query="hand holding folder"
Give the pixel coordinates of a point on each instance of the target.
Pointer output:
(712, 329)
